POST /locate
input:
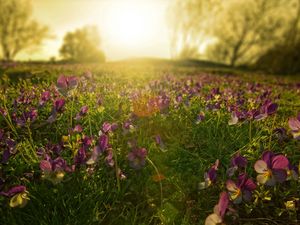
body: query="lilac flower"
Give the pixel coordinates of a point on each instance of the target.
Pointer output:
(54, 170)
(26, 117)
(18, 195)
(106, 127)
(109, 158)
(240, 190)
(80, 157)
(128, 127)
(210, 177)
(58, 107)
(294, 124)
(9, 150)
(200, 117)
(137, 158)
(237, 161)
(83, 111)
(219, 211)
(267, 109)
(44, 98)
(77, 128)
(271, 169)
(64, 84)
(99, 149)
(159, 141)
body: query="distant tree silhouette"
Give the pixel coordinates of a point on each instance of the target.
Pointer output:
(284, 57)
(241, 31)
(82, 45)
(17, 30)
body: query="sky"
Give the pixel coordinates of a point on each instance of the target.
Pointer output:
(128, 28)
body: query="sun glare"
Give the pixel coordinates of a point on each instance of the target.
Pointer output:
(133, 24)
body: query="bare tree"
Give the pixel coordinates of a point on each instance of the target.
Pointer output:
(17, 30)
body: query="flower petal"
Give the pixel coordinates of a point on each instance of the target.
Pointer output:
(231, 186)
(279, 175)
(213, 219)
(250, 185)
(262, 178)
(45, 165)
(267, 157)
(294, 124)
(280, 162)
(260, 166)
(238, 199)
(247, 195)
(271, 181)
(223, 203)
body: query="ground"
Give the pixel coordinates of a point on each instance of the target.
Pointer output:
(131, 142)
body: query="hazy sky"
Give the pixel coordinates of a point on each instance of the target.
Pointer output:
(128, 28)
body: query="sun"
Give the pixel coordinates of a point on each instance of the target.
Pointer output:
(132, 23)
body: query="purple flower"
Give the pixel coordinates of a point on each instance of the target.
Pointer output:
(64, 83)
(109, 159)
(137, 158)
(159, 141)
(106, 127)
(240, 190)
(80, 157)
(219, 210)
(210, 177)
(83, 111)
(237, 161)
(267, 109)
(18, 195)
(200, 117)
(271, 169)
(98, 149)
(77, 128)
(294, 124)
(54, 170)
(9, 150)
(59, 105)
(44, 97)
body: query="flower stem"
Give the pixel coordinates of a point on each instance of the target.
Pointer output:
(160, 184)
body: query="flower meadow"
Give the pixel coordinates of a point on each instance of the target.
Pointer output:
(124, 144)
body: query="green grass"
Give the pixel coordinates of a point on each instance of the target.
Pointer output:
(189, 148)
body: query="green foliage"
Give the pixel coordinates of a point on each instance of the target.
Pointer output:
(18, 31)
(94, 194)
(82, 45)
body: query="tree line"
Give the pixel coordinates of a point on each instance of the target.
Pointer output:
(258, 33)
(261, 34)
(19, 32)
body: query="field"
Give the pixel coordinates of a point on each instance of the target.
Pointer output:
(148, 143)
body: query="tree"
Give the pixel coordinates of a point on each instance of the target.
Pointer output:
(246, 29)
(241, 31)
(17, 30)
(82, 45)
(189, 23)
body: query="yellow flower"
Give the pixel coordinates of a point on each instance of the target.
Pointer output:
(19, 200)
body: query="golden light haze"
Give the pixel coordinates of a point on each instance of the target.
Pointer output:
(128, 28)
